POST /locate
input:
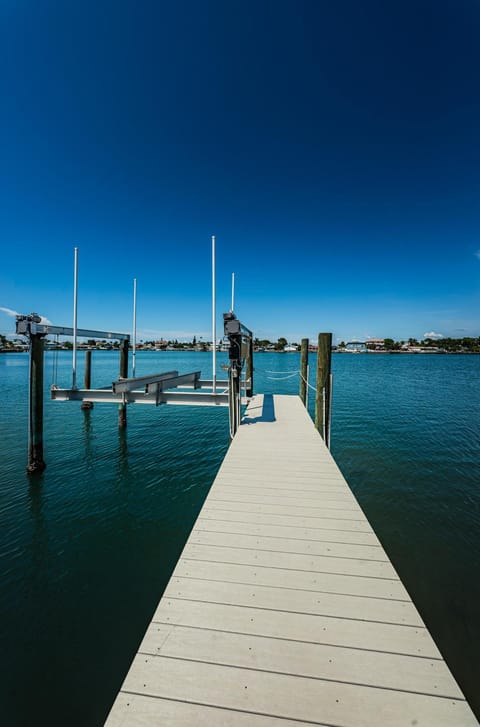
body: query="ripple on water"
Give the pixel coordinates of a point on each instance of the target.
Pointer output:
(88, 547)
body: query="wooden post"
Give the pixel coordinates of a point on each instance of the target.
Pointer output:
(304, 370)
(322, 396)
(87, 381)
(35, 408)
(88, 370)
(122, 408)
(249, 369)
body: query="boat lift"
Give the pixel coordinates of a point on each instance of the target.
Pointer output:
(168, 387)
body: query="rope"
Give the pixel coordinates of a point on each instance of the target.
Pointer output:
(282, 378)
(305, 380)
(268, 371)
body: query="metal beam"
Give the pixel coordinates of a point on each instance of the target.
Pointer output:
(140, 382)
(173, 381)
(25, 327)
(106, 396)
(198, 398)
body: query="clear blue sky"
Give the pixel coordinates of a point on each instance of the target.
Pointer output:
(332, 148)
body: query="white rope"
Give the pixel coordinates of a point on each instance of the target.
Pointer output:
(282, 378)
(268, 371)
(305, 380)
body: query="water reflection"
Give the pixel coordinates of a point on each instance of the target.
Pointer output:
(89, 454)
(38, 547)
(122, 459)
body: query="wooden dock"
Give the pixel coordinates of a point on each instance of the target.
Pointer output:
(284, 608)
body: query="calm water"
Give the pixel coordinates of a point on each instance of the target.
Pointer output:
(87, 548)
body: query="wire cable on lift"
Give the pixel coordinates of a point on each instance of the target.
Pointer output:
(55, 362)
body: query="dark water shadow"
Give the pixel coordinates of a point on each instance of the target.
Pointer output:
(87, 436)
(266, 413)
(123, 466)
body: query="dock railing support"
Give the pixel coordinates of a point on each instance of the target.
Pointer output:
(323, 386)
(122, 408)
(249, 369)
(304, 370)
(35, 409)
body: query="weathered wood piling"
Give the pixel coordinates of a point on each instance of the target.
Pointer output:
(35, 407)
(87, 379)
(122, 408)
(323, 388)
(304, 370)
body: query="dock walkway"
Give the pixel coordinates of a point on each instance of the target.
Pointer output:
(284, 609)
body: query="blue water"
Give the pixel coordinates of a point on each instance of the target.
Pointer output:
(87, 547)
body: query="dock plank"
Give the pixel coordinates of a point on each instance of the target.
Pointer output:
(284, 589)
(310, 628)
(317, 661)
(292, 598)
(324, 535)
(226, 553)
(288, 545)
(316, 701)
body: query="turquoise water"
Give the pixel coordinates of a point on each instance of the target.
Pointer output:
(87, 548)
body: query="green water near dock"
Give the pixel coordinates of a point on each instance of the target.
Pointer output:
(86, 548)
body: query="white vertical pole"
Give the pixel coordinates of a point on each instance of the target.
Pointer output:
(233, 292)
(134, 335)
(214, 320)
(75, 305)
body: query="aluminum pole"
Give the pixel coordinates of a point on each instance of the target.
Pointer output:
(134, 335)
(75, 305)
(214, 320)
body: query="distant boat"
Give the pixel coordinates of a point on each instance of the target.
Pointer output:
(290, 348)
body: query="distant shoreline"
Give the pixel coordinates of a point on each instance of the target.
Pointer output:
(285, 353)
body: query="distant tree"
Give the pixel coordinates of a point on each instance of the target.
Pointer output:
(389, 344)
(194, 342)
(412, 342)
(68, 344)
(281, 343)
(341, 344)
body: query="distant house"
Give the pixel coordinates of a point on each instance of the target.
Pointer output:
(356, 347)
(375, 343)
